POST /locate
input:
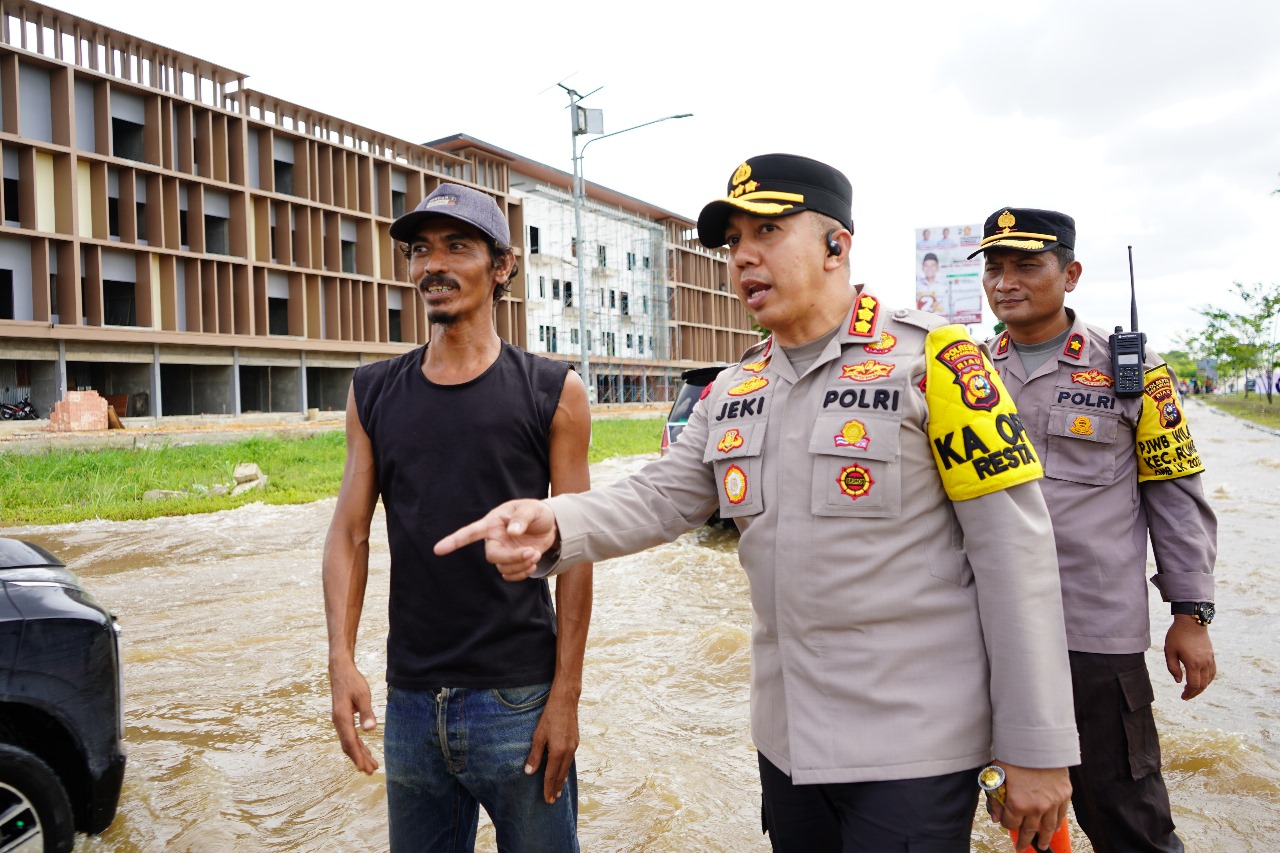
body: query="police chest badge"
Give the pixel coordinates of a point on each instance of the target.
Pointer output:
(853, 434)
(747, 386)
(964, 359)
(855, 481)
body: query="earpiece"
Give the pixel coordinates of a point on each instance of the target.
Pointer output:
(833, 245)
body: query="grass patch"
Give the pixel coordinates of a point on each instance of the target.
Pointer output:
(65, 486)
(1254, 409)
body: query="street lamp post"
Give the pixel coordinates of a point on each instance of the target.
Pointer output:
(580, 126)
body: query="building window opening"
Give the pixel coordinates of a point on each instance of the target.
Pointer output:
(608, 343)
(573, 336)
(183, 239)
(631, 260)
(283, 174)
(113, 217)
(534, 244)
(542, 287)
(626, 304)
(215, 235)
(140, 210)
(397, 203)
(629, 345)
(602, 255)
(613, 299)
(393, 325)
(348, 256)
(555, 288)
(12, 212)
(119, 307)
(568, 296)
(645, 259)
(277, 315)
(6, 295)
(127, 140)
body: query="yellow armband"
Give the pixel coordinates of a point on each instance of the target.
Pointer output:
(979, 443)
(1165, 448)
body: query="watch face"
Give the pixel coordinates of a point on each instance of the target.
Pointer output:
(1205, 612)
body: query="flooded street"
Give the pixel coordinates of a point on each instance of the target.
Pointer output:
(227, 715)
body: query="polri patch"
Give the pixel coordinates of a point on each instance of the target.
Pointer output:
(1092, 377)
(855, 481)
(735, 485)
(964, 359)
(883, 346)
(748, 386)
(853, 434)
(731, 440)
(866, 371)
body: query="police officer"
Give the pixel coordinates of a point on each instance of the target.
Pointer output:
(1117, 471)
(907, 623)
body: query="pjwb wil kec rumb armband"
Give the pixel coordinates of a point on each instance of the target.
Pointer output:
(979, 443)
(1165, 448)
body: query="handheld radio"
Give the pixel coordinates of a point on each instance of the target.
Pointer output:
(1129, 349)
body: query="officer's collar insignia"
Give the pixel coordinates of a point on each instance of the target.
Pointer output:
(735, 485)
(866, 310)
(731, 440)
(756, 366)
(1002, 345)
(866, 371)
(755, 383)
(1093, 377)
(1074, 347)
(1082, 426)
(882, 346)
(853, 434)
(855, 481)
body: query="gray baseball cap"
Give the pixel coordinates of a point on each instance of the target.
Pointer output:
(470, 206)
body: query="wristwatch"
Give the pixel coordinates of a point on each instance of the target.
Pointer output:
(1202, 610)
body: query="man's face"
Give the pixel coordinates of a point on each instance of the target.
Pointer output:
(946, 232)
(930, 268)
(1027, 290)
(926, 234)
(776, 266)
(450, 264)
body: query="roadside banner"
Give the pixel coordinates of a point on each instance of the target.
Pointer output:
(947, 282)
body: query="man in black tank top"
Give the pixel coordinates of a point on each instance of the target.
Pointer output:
(483, 676)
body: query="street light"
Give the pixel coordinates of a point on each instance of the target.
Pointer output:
(579, 126)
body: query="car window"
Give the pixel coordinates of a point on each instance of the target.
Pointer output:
(689, 394)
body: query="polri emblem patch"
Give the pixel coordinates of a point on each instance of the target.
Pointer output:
(1160, 390)
(964, 359)
(735, 485)
(755, 383)
(1092, 377)
(853, 434)
(731, 440)
(866, 371)
(882, 346)
(1082, 426)
(855, 481)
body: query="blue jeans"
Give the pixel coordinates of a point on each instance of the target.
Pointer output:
(450, 751)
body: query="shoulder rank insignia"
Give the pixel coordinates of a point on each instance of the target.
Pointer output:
(747, 386)
(1075, 346)
(1092, 377)
(1002, 345)
(865, 311)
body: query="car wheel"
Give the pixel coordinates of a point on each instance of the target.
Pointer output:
(35, 814)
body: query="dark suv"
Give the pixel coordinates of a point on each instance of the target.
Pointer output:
(696, 382)
(61, 722)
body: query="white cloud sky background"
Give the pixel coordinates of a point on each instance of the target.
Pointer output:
(1153, 124)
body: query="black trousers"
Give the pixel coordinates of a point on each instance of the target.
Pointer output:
(929, 815)
(1119, 796)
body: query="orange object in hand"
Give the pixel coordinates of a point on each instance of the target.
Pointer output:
(991, 780)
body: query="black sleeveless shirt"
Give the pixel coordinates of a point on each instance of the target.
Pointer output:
(446, 455)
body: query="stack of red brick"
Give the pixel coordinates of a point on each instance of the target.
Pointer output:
(79, 411)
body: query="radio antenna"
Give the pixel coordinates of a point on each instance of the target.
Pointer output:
(1133, 296)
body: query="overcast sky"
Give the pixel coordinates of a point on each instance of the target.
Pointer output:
(1153, 124)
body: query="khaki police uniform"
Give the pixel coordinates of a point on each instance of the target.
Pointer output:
(1115, 468)
(907, 613)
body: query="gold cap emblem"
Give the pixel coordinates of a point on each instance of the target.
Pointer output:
(1006, 220)
(741, 174)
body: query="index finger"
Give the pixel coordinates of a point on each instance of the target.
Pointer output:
(463, 536)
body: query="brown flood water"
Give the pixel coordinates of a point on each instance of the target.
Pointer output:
(227, 716)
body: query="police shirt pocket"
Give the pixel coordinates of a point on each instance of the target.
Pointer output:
(1081, 446)
(856, 469)
(734, 454)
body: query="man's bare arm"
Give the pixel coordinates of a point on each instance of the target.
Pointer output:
(345, 572)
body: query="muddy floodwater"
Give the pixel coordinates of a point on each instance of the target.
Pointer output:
(230, 746)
